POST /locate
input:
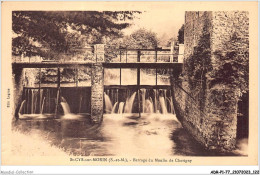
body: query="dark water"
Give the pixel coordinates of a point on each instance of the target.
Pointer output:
(127, 135)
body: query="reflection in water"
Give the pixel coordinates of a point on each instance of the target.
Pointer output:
(118, 135)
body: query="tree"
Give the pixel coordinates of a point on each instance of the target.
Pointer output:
(181, 35)
(48, 33)
(141, 38)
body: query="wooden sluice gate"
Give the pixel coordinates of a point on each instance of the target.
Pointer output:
(130, 99)
(46, 100)
(90, 99)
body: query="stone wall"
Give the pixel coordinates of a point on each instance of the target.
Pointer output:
(22, 77)
(209, 110)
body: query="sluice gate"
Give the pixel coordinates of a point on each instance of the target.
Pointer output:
(97, 97)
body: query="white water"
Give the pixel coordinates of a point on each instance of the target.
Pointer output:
(65, 108)
(121, 107)
(114, 108)
(108, 103)
(163, 105)
(43, 101)
(153, 104)
(67, 113)
(171, 105)
(148, 106)
(129, 103)
(21, 107)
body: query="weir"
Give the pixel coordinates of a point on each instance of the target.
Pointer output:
(57, 99)
(128, 99)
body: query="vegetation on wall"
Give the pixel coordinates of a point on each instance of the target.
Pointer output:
(181, 35)
(232, 64)
(199, 63)
(229, 65)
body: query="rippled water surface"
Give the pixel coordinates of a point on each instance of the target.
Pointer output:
(118, 135)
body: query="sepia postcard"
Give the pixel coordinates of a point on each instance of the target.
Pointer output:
(129, 83)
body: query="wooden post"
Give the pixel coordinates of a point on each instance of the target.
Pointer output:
(77, 77)
(58, 78)
(156, 68)
(40, 75)
(120, 52)
(126, 55)
(156, 54)
(172, 51)
(138, 56)
(120, 77)
(156, 77)
(138, 89)
(58, 92)
(120, 67)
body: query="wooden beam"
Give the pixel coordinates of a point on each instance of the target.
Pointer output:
(158, 49)
(49, 64)
(108, 65)
(176, 66)
(135, 87)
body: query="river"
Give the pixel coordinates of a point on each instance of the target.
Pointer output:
(118, 135)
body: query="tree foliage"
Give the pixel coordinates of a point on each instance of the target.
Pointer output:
(141, 38)
(54, 32)
(181, 35)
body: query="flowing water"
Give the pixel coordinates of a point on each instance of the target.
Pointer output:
(135, 101)
(118, 135)
(123, 132)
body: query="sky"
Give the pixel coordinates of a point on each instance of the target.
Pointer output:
(162, 21)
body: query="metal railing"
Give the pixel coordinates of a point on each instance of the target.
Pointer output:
(123, 55)
(127, 55)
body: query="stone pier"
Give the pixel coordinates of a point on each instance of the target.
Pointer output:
(18, 79)
(97, 84)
